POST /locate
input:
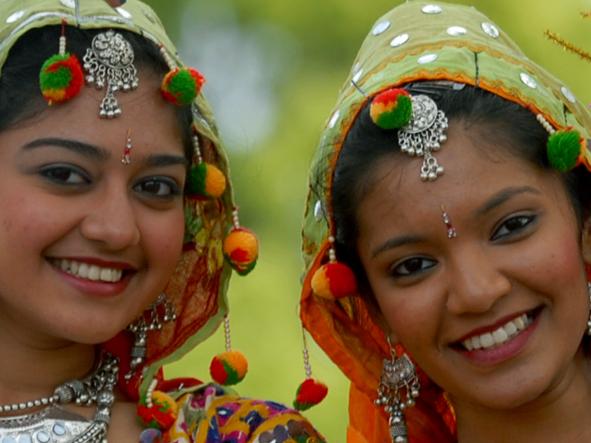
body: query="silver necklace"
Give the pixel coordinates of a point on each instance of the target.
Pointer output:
(54, 424)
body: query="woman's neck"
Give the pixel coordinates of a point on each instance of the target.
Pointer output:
(560, 414)
(32, 366)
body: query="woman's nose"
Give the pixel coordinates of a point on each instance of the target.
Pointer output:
(476, 283)
(112, 220)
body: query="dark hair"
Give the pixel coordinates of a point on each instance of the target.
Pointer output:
(492, 118)
(20, 96)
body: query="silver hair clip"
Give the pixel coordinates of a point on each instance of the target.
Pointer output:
(424, 134)
(109, 63)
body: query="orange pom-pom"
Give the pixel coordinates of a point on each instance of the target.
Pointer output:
(391, 109)
(334, 281)
(309, 393)
(162, 412)
(241, 249)
(228, 368)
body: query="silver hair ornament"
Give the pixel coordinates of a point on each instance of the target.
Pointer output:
(109, 64)
(424, 135)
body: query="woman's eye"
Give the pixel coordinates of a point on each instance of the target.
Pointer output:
(513, 226)
(65, 175)
(412, 266)
(160, 187)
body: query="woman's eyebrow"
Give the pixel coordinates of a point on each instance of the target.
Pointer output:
(503, 196)
(395, 242)
(159, 160)
(82, 148)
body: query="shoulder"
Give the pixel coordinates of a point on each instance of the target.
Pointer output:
(213, 414)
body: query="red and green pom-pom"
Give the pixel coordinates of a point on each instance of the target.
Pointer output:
(309, 393)
(180, 86)
(564, 150)
(334, 281)
(61, 78)
(391, 109)
(206, 180)
(241, 249)
(161, 414)
(228, 368)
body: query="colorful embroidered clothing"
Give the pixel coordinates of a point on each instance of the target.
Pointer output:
(212, 415)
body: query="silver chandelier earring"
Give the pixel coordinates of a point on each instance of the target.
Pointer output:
(589, 320)
(153, 319)
(398, 389)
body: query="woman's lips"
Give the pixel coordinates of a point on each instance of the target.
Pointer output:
(503, 343)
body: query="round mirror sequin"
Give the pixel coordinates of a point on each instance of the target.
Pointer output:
(568, 94)
(528, 80)
(380, 27)
(427, 58)
(68, 3)
(15, 16)
(456, 31)
(490, 29)
(432, 9)
(399, 40)
(318, 211)
(334, 119)
(358, 76)
(123, 13)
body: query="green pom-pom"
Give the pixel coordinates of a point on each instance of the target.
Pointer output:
(564, 150)
(391, 109)
(196, 179)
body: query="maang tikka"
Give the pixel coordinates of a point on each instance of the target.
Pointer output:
(421, 126)
(109, 64)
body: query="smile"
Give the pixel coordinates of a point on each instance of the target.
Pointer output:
(89, 271)
(499, 336)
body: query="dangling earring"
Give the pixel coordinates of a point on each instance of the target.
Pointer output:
(589, 320)
(229, 367)
(61, 77)
(153, 319)
(311, 391)
(399, 386)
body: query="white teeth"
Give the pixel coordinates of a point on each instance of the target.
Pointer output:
(499, 336)
(89, 272)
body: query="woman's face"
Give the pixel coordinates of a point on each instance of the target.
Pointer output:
(87, 242)
(495, 315)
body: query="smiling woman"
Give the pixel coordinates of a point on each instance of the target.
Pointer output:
(454, 177)
(118, 233)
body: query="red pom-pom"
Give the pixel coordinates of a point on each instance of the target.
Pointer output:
(161, 413)
(309, 393)
(391, 109)
(334, 281)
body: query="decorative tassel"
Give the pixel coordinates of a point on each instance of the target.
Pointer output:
(568, 46)
(157, 410)
(391, 109)
(204, 180)
(61, 77)
(230, 367)
(241, 247)
(334, 280)
(180, 86)
(311, 391)
(564, 150)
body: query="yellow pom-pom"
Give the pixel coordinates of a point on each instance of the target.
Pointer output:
(241, 249)
(228, 368)
(334, 280)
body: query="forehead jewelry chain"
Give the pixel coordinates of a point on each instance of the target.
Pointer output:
(451, 231)
(126, 157)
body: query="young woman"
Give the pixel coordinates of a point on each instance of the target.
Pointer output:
(115, 220)
(446, 237)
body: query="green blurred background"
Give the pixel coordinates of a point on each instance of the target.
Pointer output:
(273, 69)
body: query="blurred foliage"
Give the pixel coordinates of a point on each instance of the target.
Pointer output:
(310, 45)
